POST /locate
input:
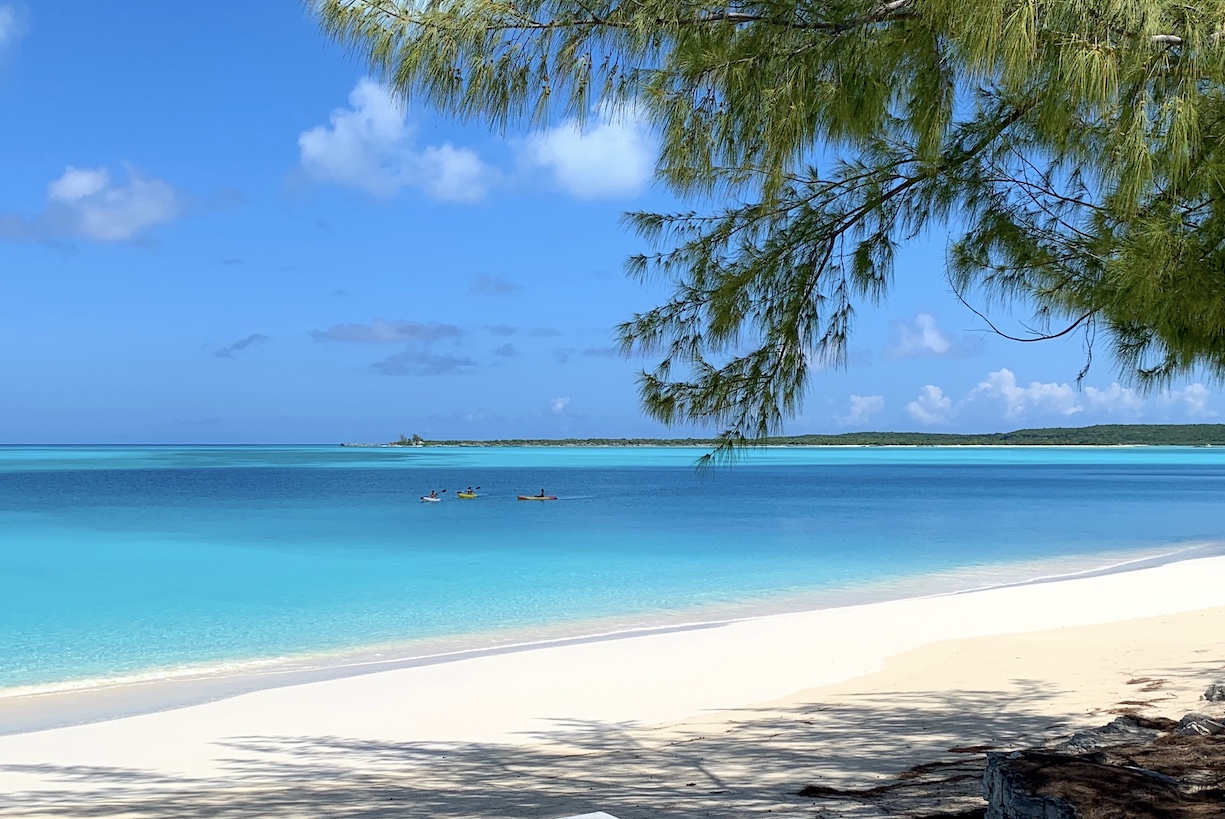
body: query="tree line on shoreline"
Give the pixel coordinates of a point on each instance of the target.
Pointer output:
(1098, 435)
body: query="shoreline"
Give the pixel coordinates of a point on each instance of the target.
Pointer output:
(82, 702)
(545, 444)
(853, 695)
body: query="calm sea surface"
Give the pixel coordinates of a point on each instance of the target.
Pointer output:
(121, 560)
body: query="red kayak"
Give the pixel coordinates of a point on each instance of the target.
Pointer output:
(537, 497)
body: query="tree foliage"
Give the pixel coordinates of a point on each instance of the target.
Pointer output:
(1070, 149)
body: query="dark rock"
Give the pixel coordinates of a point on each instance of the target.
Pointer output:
(1199, 725)
(1136, 767)
(1011, 794)
(1044, 785)
(1215, 692)
(1121, 731)
(1155, 723)
(1202, 781)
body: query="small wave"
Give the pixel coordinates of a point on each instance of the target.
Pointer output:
(160, 674)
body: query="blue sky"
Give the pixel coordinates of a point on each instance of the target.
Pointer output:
(215, 228)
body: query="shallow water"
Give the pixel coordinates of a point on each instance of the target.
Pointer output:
(118, 560)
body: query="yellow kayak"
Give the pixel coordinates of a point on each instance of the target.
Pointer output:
(466, 495)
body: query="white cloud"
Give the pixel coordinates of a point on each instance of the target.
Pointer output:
(416, 360)
(1037, 398)
(612, 159)
(923, 337)
(931, 407)
(86, 203)
(1115, 399)
(78, 183)
(369, 146)
(453, 174)
(558, 405)
(107, 212)
(242, 344)
(1193, 398)
(361, 148)
(381, 331)
(862, 408)
(1000, 389)
(417, 357)
(12, 26)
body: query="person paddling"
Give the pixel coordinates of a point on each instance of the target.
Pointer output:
(541, 495)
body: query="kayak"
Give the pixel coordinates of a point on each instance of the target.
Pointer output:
(430, 500)
(466, 495)
(537, 497)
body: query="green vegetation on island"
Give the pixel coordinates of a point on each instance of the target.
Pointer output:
(1099, 435)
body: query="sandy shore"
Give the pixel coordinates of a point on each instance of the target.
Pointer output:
(747, 712)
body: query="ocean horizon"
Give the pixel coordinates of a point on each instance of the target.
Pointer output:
(122, 563)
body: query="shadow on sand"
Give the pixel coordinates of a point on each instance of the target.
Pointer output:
(874, 755)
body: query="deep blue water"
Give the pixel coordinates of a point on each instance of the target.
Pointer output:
(121, 559)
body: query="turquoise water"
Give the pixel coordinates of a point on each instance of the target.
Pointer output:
(118, 560)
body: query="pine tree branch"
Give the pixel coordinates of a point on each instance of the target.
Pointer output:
(1037, 337)
(886, 12)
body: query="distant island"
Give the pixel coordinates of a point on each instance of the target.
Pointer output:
(1099, 435)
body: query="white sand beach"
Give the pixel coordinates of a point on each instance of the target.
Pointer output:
(722, 721)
